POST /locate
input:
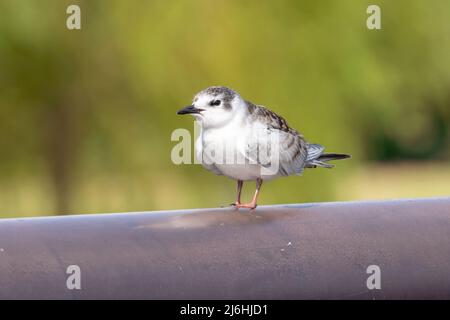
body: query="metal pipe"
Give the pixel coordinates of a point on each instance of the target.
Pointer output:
(304, 251)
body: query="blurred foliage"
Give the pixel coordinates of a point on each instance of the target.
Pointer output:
(86, 115)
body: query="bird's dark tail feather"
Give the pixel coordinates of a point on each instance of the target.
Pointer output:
(333, 156)
(322, 160)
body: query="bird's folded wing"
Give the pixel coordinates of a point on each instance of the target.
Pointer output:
(272, 143)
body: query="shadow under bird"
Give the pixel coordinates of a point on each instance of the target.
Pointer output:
(248, 142)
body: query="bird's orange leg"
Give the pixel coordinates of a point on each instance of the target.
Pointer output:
(252, 205)
(240, 183)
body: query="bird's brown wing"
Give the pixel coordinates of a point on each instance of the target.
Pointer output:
(292, 147)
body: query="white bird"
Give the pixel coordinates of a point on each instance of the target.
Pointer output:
(247, 142)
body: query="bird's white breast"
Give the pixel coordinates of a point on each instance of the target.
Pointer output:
(224, 150)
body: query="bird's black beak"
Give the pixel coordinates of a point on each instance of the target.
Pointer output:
(189, 110)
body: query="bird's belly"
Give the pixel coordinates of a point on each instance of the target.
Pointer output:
(227, 150)
(240, 171)
(224, 154)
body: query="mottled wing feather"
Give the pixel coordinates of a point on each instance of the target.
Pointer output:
(293, 149)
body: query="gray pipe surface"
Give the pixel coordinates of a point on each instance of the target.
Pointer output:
(305, 251)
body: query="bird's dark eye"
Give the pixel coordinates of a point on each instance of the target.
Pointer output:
(215, 103)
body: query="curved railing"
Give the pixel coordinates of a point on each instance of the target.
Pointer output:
(344, 250)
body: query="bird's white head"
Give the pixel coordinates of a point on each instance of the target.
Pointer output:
(215, 106)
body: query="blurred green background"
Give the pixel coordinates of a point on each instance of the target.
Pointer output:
(86, 115)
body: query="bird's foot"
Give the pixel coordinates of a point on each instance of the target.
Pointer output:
(235, 205)
(250, 205)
